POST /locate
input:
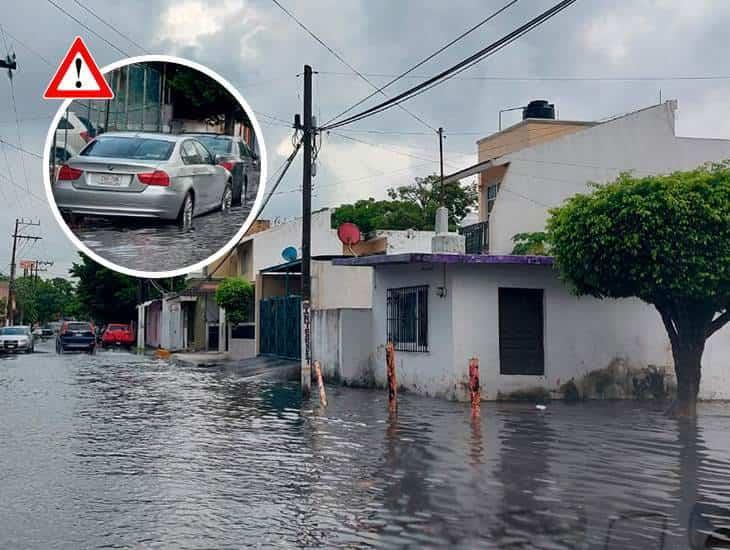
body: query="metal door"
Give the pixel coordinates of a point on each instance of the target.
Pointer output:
(280, 326)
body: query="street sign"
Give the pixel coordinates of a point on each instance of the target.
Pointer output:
(78, 76)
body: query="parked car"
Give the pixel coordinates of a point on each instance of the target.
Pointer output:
(237, 157)
(17, 338)
(117, 334)
(76, 335)
(55, 327)
(73, 133)
(168, 177)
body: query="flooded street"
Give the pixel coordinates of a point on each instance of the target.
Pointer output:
(157, 246)
(119, 450)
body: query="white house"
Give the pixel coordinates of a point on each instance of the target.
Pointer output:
(512, 312)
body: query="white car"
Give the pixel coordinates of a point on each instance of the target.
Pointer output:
(17, 338)
(72, 134)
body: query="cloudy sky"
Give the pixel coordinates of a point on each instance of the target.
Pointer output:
(597, 59)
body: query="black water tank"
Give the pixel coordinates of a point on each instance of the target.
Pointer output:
(539, 109)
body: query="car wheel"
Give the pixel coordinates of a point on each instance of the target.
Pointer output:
(187, 211)
(227, 198)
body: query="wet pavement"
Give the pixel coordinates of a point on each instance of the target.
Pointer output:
(156, 246)
(119, 450)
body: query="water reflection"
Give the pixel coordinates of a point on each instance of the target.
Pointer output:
(126, 451)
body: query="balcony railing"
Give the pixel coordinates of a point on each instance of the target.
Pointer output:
(477, 237)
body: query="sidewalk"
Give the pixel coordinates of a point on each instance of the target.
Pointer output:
(262, 367)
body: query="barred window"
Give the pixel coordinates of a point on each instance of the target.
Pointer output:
(407, 310)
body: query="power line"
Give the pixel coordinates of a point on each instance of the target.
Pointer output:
(427, 59)
(344, 61)
(94, 14)
(20, 148)
(92, 31)
(576, 78)
(30, 49)
(459, 67)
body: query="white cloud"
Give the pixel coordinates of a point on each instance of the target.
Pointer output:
(188, 23)
(614, 35)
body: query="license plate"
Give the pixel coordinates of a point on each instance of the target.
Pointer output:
(9, 345)
(110, 180)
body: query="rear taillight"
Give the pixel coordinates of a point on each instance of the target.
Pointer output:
(158, 177)
(228, 165)
(67, 173)
(85, 136)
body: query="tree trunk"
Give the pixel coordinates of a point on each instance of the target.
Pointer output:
(688, 327)
(687, 355)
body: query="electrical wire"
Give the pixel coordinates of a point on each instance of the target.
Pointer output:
(92, 31)
(30, 49)
(19, 148)
(345, 63)
(467, 63)
(112, 27)
(426, 59)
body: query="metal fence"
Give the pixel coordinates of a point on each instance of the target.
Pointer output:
(407, 312)
(477, 237)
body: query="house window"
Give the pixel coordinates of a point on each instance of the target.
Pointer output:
(521, 348)
(492, 191)
(408, 318)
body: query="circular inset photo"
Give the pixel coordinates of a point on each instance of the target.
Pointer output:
(164, 178)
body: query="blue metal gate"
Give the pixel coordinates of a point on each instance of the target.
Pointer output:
(280, 322)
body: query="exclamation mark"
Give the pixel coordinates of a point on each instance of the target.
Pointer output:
(78, 72)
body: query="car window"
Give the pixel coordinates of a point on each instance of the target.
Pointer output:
(13, 330)
(216, 144)
(62, 155)
(205, 155)
(87, 123)
(189, 153)
(64, 124)
(243, 150)
(137, 148)
(117, 327)
(78, 326)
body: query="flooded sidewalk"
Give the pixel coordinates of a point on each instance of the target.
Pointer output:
(123, 450)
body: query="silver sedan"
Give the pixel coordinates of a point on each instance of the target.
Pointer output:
(145, 175)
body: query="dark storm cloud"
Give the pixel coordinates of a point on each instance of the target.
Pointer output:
(260, 50)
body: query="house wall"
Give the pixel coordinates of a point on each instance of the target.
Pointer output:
(580, 334)
(338, 286)
(153, 326)
(543, 176)
(432, 372)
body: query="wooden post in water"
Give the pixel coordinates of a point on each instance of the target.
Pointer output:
(476, 395)
(320, 384)
(392, 381)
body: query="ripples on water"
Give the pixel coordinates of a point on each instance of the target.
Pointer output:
(119, 450)
(157, 246)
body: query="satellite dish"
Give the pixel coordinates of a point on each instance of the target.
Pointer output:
(289, 254)
(348, 233)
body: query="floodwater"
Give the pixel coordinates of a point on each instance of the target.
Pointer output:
(117, 450)
(157, 246)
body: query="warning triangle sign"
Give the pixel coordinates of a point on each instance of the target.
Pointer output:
(78, 76)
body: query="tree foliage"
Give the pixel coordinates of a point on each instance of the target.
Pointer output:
(105, 295)
(663, 239)
(530, 244)
(409, 206)
(236, 296)
(199, 96)
(43, 300)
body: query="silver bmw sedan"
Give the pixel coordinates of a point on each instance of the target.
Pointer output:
(145, 175)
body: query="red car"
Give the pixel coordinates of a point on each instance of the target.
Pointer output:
(117, 334)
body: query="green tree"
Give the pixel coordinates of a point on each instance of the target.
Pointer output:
(663, 239)
(105, 295)
(236, 296)
(410, 206)
(43, 300)
(530, 244)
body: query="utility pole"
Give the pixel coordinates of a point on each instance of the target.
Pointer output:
(306, 374)
(10, 316)
(441, 162)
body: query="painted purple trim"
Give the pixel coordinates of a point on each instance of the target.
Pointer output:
(411, 258)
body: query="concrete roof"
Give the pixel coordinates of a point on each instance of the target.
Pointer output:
(418, 258)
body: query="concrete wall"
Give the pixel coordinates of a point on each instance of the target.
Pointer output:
(432, 372)
(543, 176)
(356, 354)
(337, 286)
(581, 334)
(326, 341)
